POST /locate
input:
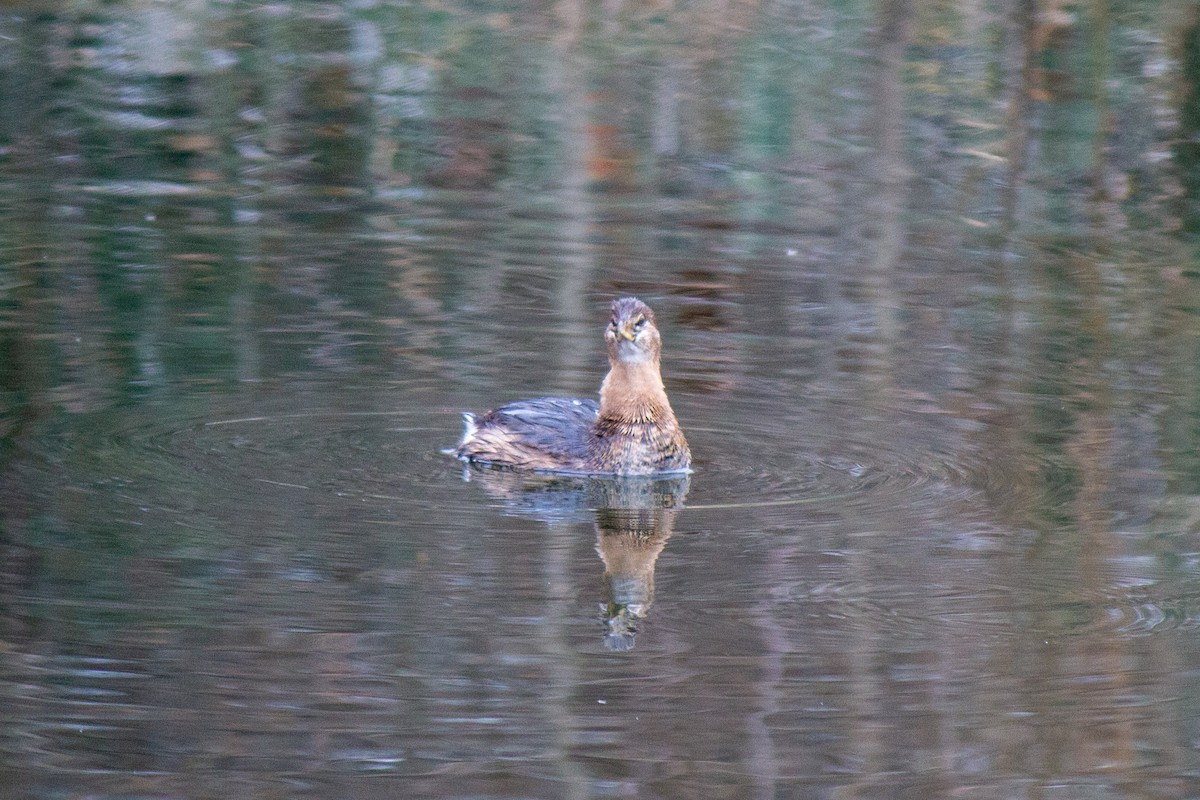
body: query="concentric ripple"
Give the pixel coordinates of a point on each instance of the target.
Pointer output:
(326, 449)
(195, 459)
(767, 471)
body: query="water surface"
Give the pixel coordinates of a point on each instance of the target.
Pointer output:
(926, 280)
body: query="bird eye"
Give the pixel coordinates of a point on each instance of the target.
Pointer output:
(641, 323)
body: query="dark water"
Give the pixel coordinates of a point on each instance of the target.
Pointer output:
(927, 279)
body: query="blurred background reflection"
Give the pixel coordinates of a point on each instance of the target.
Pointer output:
(928, 278)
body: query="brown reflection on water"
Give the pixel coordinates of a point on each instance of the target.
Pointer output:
(633, 521)
(1094, 742)
(629, 542)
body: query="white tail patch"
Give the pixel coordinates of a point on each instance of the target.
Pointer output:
(469, 428)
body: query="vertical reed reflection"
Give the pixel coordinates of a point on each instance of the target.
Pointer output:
(569, 79)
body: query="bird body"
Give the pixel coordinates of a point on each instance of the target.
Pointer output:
(631, 431)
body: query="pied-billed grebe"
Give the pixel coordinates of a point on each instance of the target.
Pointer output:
(632, 431)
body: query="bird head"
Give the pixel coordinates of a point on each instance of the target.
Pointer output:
(631, 335)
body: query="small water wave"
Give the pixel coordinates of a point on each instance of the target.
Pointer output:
(390, 454)
(145, 188)
(765, 472)
(1156, 610)
(192, 459)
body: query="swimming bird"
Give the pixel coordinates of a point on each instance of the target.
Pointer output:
(631, 431)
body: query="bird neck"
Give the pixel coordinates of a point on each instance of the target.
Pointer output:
(634, 393)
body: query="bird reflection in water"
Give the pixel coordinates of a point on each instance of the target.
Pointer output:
(633, 517)
(629, 541)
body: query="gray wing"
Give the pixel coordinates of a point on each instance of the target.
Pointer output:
(553, 424)
(544, 433)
